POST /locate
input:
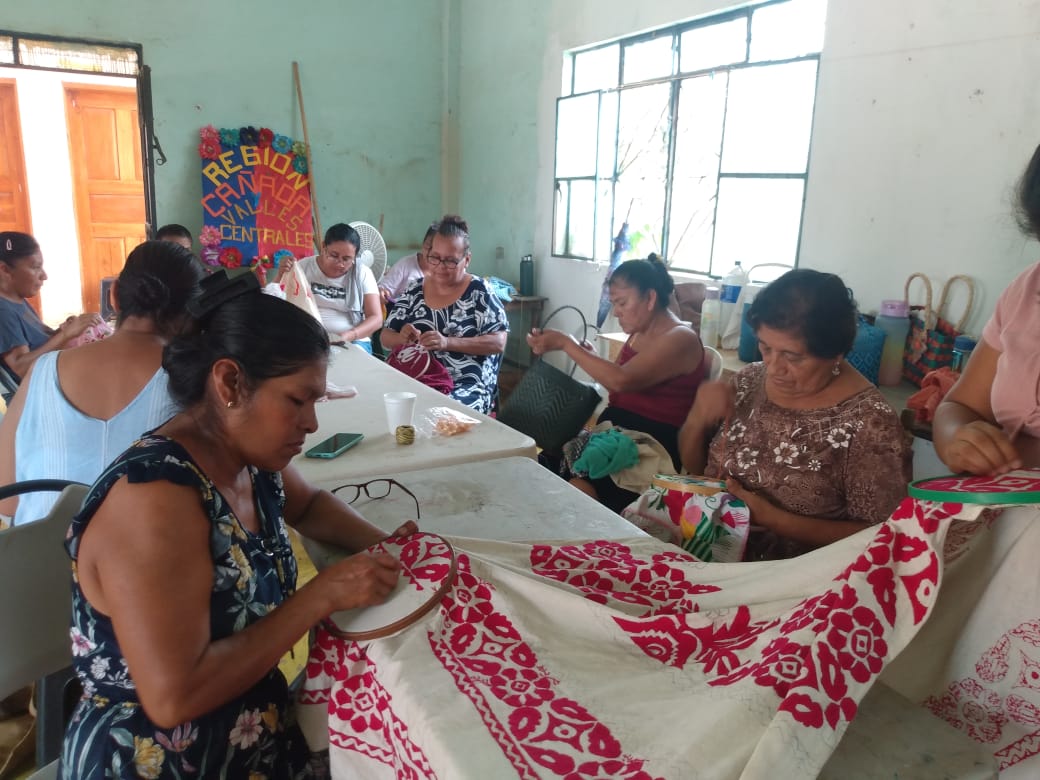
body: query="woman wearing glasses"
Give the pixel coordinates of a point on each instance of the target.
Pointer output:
(451, 313)
(344, 289)
(184, 582)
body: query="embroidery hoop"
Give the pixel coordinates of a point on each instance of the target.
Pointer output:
(1016, 487)
(408, 602)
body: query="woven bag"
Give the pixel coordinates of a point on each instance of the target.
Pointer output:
(548, 404)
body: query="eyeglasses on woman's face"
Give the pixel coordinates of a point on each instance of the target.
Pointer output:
(374, 489)
(450, 262)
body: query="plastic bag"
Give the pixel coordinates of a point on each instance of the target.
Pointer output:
(442, 421)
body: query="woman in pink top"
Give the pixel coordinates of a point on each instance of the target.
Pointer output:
(656, 377)
(989, 423)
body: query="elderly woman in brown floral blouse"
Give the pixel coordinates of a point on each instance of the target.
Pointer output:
(811, 446)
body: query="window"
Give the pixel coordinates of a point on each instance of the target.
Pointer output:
(41, 51)
(697, 136)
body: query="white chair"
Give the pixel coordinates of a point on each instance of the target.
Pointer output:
(35, 611)
(714, 358)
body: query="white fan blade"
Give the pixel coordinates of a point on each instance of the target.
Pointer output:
(366, 257)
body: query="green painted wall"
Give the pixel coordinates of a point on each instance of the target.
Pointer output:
(372, 81)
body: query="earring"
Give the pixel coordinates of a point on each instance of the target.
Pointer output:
(836, 370)
(230, 404)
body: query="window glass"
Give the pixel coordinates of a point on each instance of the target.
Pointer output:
(78, 56)
(596, 69)
(6, 50)
(785, 30)
(644, 130)
(698, 143)
(757, 221)
(562, 199)
(769, 118)
(582, 218)
(714, 45)
(651, 59)
(576, 123)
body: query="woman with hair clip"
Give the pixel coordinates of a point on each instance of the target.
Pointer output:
(184, 582)
(23, 337)
(451, 313)
(344, 289)
(78, 409)
(657, 373)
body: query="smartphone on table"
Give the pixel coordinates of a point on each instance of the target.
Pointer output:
(334, 445)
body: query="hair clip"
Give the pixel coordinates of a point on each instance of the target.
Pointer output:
(218, 288)
(10, 245)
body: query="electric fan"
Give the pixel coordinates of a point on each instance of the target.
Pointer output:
(373, 248)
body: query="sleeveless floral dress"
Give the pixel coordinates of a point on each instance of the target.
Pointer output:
(110, 736)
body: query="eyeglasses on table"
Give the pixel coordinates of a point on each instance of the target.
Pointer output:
(374, 489)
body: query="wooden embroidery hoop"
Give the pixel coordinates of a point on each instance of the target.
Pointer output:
(398, 622)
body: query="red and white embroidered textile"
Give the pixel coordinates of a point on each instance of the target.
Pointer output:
(628, 659)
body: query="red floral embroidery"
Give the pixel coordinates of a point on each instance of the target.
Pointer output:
(968, 706)
(857, 637)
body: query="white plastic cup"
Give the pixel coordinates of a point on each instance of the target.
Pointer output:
(399, 409)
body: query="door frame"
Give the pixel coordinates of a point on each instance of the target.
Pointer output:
(143, 78)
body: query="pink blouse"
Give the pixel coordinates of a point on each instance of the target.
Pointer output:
(1014, 330)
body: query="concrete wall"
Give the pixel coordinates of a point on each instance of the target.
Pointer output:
(372, 82)
(926, 112)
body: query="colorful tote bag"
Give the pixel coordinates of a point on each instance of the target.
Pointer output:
(929, 344)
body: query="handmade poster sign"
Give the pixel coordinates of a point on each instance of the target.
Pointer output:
(256, 199)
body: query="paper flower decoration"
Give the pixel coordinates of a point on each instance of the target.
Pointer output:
(209, 236)
(209, 133)
(264, 137)
(299, 164)
(280, 256)
(299, 149)
(230, 257)
(282, 144)
(210, 256)
(248, 136)
(209, 150)
(228, 137)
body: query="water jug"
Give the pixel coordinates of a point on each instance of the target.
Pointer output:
(711, 310)
(894, 320)
(962, 347)
(731, 286)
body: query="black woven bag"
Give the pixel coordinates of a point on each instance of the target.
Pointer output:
(548, 404)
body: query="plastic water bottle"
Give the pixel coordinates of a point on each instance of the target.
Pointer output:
(711, 311)
(527, 275)
(732, 283)
(962, 347)
(894, 319)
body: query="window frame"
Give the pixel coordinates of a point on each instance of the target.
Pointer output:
(675, 79)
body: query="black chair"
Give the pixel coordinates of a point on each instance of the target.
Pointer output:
(8, 383)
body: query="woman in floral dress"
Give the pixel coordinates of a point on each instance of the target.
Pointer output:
(184, 580)
(811, 446)
(451, 313)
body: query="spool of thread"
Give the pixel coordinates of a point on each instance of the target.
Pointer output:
(405, 434)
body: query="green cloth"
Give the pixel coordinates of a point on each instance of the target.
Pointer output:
(605, 453)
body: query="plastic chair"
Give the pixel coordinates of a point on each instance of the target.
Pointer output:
(714, 364)
(35, 612)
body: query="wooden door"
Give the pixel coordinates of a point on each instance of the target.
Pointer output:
(14, 189)
(107, 180)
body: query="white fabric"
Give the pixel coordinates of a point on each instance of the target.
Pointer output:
(618, 658)
(340, 301)
(400, 277)
(55, 440)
